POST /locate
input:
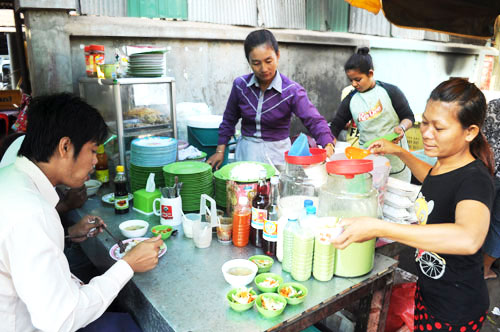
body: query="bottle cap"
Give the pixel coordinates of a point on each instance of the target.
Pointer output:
(308, 202)
(311, 210)
(262, 174)
(243, 200)
(120, 168)
(100, 148)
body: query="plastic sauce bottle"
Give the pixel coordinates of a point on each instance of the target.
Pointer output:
(260, 204)
(241, 222)
(121, 192)
(101, 168)
(288, 233)
(302, 254)
(270, 235)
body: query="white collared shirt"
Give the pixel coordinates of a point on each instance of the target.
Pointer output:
(37, 289)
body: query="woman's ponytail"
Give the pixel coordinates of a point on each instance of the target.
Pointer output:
(480, 148)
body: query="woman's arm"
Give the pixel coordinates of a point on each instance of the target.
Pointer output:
(419, 168)
(464, 237)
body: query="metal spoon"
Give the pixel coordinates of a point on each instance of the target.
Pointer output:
(122, 245)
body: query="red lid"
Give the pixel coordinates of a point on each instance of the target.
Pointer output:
(318, 156)
(96, 48)
(349, 168)
(86, 48)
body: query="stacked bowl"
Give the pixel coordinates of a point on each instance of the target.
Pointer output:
(324, 260)
(196, 177)
(149, 155)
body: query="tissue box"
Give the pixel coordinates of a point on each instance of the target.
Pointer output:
(143, 200)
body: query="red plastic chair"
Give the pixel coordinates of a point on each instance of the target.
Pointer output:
(5, 118)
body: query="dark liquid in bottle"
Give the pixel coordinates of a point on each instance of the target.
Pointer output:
(270, 248)
(261, 202)
(121, 192)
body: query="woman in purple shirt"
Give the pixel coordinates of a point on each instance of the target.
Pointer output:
(265, 101)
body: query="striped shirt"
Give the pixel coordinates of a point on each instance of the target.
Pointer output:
(267, 115)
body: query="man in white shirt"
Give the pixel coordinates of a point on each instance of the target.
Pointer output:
(37, 290)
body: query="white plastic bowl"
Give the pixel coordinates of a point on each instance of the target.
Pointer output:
(92, 186)
(134, 233)
(239, 281)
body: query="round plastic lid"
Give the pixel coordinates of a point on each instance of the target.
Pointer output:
(120, 168)
(311, 210)
(205, 121)
(349, 168)
(308, 202)
(318, 156)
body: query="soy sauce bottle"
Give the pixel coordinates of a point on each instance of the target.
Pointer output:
(121, 192)
(260, 204)
(270, 234)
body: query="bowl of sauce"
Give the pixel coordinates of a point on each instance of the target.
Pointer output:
(239, 272)
(134, 228)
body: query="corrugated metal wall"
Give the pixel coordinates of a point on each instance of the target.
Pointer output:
(103, 7)
(158, 8)
(407, 33)
(364, 22)
(327, 15)
(281, 13)
(241, 12)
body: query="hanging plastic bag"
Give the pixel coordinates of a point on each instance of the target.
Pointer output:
(401, 307)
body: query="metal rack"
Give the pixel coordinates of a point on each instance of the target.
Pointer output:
(115, 98)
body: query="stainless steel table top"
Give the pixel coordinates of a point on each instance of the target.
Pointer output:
(187, 291)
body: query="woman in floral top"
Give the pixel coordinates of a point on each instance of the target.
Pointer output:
(491, 245)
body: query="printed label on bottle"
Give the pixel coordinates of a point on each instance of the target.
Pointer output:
(166, 212)
(258, 217)
(121, 202)
(102, 175)
(270, 230)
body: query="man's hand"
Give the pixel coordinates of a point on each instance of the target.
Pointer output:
(88, 226)
(144, 256)
(72, 199)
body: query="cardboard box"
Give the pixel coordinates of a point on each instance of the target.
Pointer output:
(9, 98)
(414, 137)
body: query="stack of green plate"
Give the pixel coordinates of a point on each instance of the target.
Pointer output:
(197, 179)
(224, 174)
(139, 176)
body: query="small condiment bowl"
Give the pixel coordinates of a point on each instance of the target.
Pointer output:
(297, 286)
(164, 230)
(239, 306)
(258, 260)
(230, 269)
(92, 186)
(266, 312)
(261, 277)
(134, 228)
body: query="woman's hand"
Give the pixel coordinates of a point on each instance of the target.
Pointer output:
(358, 229)
(383, 146)
(217, 158)
(330, 149)
(398, 130)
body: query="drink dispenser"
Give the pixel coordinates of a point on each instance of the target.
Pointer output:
(349, 193)
(302, 179)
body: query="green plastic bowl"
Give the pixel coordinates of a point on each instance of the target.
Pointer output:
(238, 306)
(261, 277)
(160, 230)
(270, 313)
(297, 286)
(262, 258)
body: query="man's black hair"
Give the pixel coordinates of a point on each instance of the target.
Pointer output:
(53, 117)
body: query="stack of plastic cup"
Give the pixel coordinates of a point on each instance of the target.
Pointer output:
(303, 246)
(324, 259)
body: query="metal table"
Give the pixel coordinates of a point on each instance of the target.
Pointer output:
(187, 291)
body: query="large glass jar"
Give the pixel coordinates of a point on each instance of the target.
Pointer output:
(349, 193)
(302, 179)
